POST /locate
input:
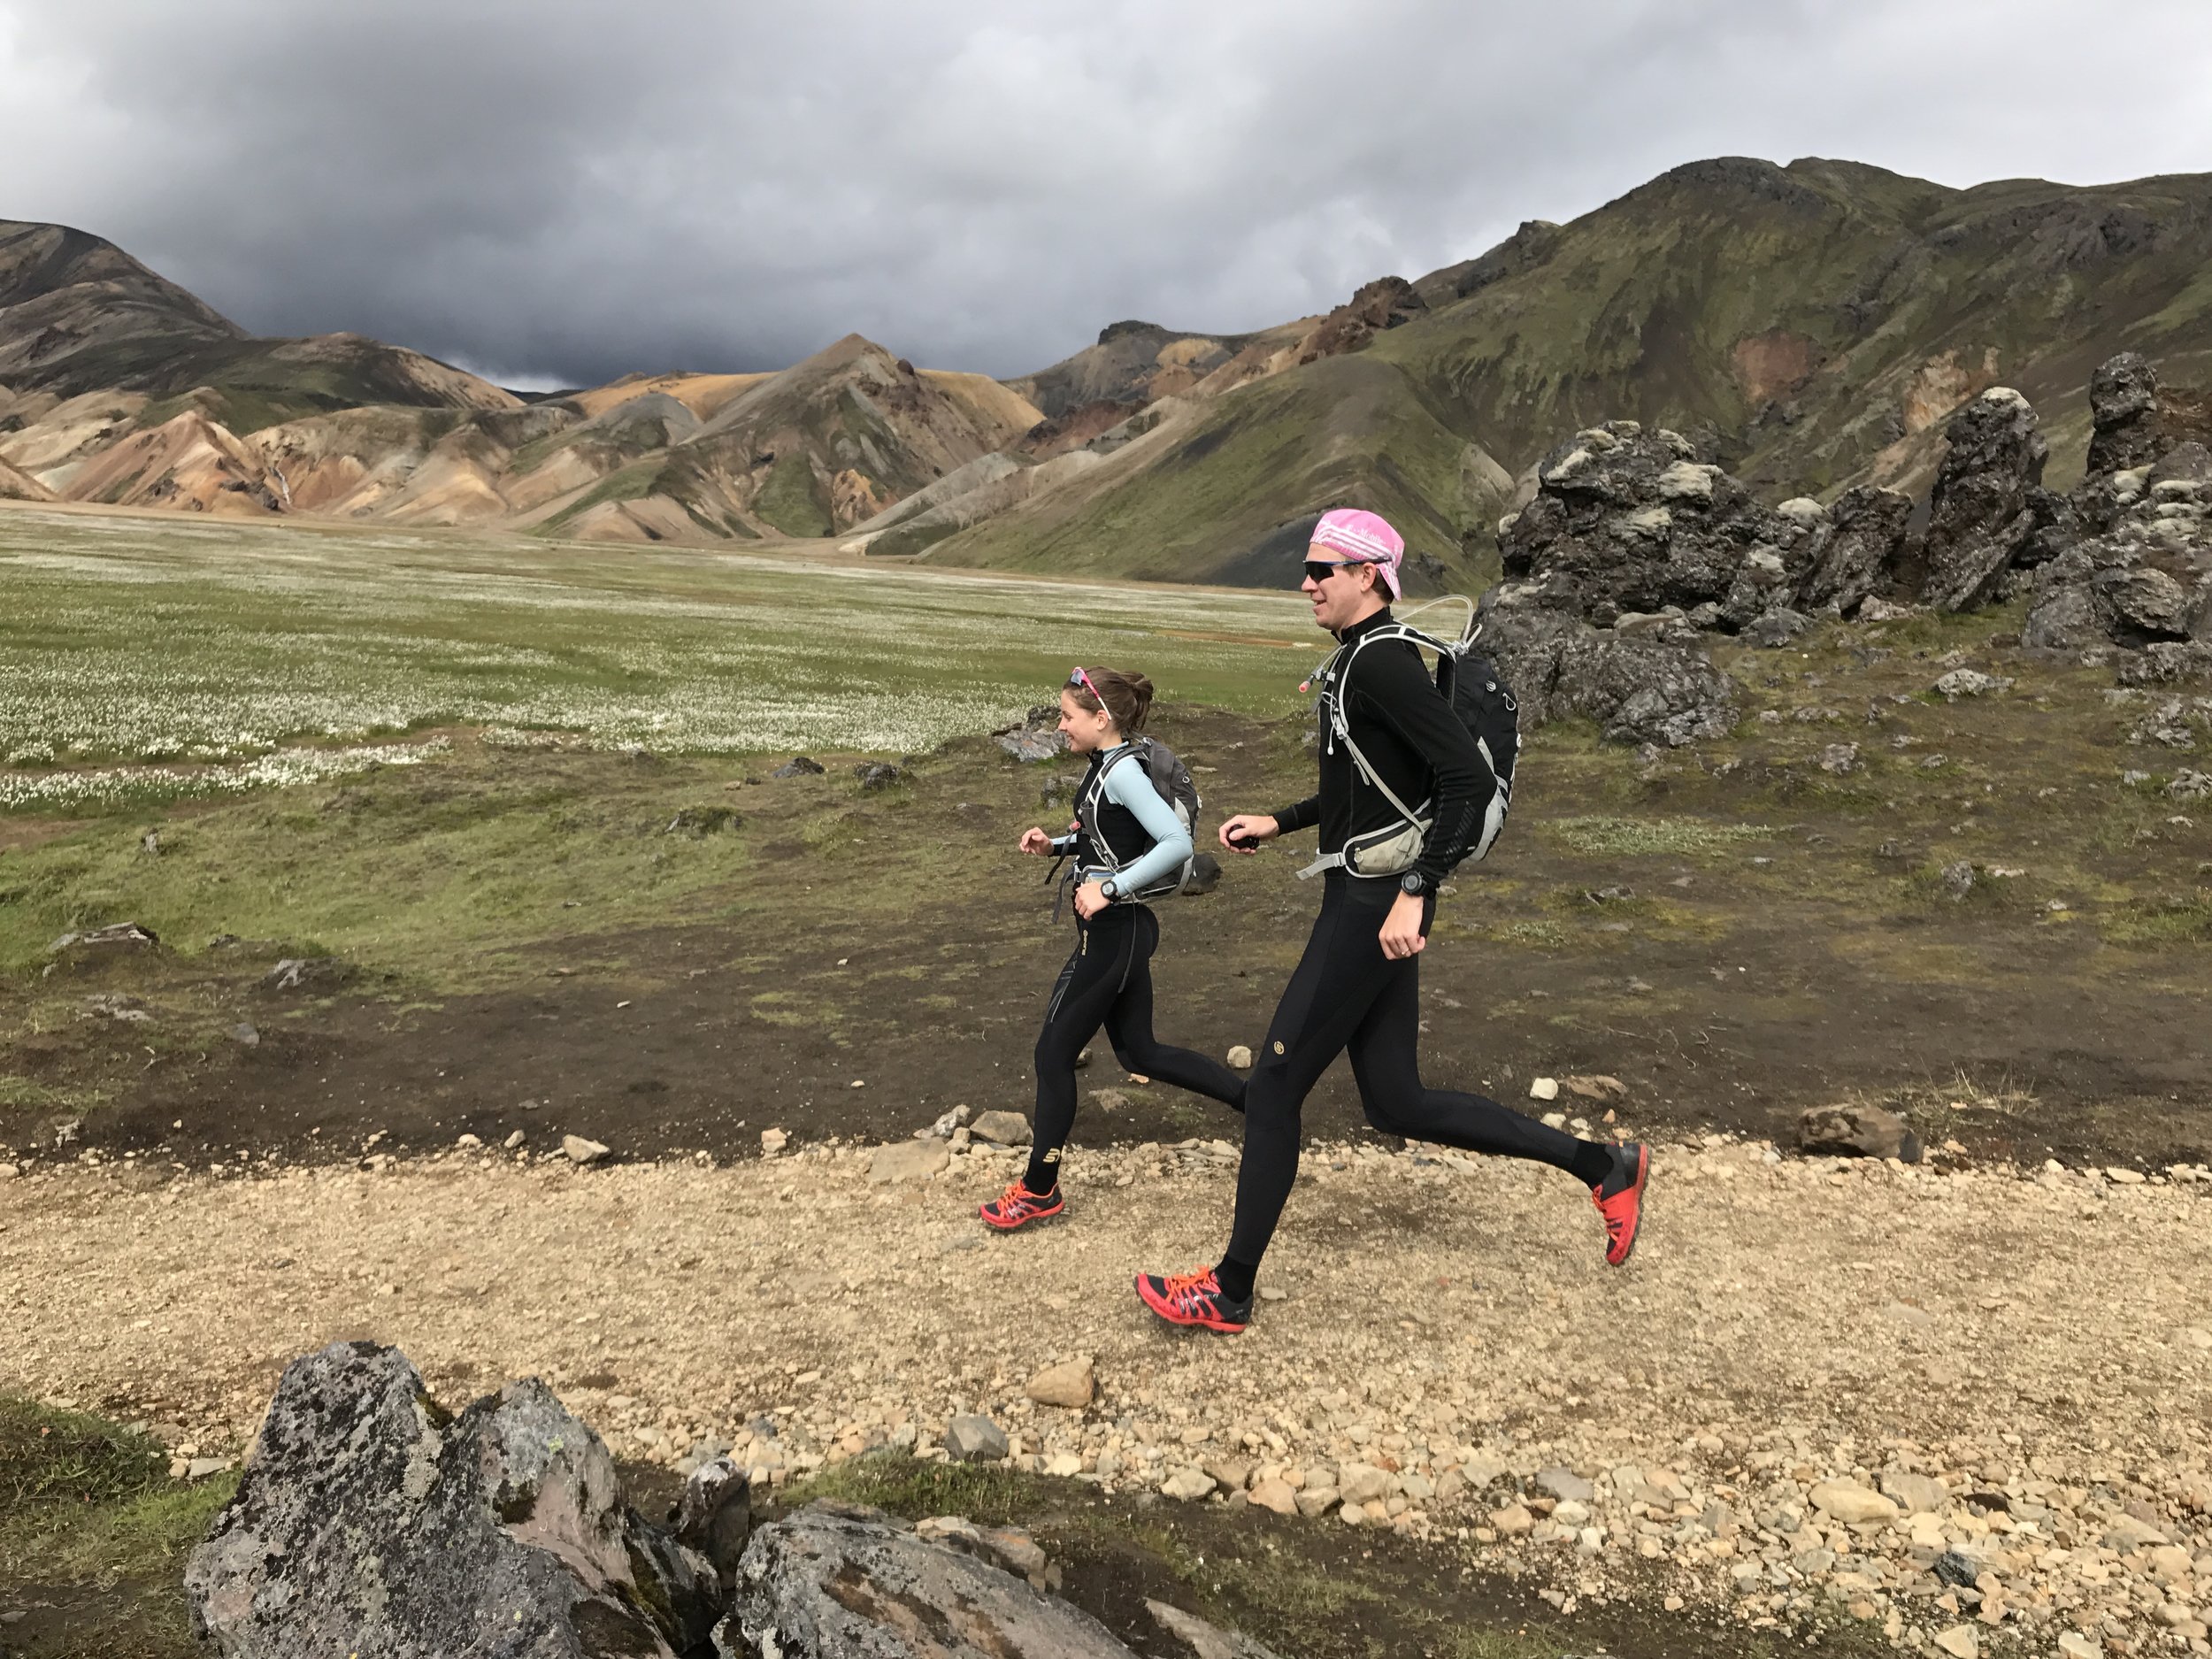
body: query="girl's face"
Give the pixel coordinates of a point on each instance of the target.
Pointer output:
(1088, 730)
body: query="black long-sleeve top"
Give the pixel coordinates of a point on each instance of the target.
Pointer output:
(1414, 742)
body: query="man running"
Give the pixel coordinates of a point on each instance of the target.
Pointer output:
(1358, 985)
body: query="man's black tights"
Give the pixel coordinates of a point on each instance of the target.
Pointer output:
(1345, 994)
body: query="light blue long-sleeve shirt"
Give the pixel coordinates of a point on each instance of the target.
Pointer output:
(1128, 786)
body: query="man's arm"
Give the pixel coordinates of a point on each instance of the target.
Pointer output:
(1396, 689)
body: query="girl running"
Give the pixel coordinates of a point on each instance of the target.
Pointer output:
(1124, 840)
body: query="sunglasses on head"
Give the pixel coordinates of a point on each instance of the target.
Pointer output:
(1081, 681)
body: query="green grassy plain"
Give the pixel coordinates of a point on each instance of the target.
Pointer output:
(134, 642)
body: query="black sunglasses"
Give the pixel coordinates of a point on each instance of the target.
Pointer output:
(1321, 570)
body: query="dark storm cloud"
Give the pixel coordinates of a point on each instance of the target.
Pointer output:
(571, 191)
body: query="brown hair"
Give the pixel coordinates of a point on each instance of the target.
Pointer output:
(1127, 698)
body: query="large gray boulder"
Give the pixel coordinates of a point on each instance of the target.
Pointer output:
(1640, 685)
(1626, 520)
(1857, 551)
(1035, 736)
(369, 1520)
(836, 1581)
(2146, 577)
(1981, 513)
(2170, 664)
(2123, 414)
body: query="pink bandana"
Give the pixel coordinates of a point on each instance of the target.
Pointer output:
(1365, 538)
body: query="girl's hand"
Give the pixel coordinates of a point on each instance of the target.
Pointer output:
(1244, 833)
(1090, 899)
(1035, 840)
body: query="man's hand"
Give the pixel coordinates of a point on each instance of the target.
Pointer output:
(1090, 899)
(1035, 840)
(1244, 833)
(1402, 936)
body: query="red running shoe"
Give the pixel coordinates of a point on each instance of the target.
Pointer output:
(1017, 1207)
(1620, 1200)
(1194, 1298)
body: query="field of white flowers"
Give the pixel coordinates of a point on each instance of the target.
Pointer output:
(141, 659)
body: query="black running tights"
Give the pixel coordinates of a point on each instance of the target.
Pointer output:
(1345, 993)
(1107, 982)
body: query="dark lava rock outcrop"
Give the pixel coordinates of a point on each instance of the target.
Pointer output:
(1987, 501)
(2135, 420)
(1630, 547)
(1631, 521)
(369, 1520)
(1635, 543)
(2146, 577)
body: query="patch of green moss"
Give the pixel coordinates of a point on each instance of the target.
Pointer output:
(792, 501)
(1679, 837)
(2169, 919)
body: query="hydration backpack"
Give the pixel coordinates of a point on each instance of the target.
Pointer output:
(1478, 693)
(1171, 780)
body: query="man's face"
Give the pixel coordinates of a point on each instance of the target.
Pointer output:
(1339, 594)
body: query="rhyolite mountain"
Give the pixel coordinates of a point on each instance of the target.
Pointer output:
(1811, 326)
(79, 315)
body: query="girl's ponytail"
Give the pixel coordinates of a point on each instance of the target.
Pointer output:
(1126, 696)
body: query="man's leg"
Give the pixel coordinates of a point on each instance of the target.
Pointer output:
(1387, 1065)
(1321, 1007)
(1308, 1031)
(1129, 1027)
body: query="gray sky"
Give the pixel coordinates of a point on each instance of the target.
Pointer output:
(563, 190)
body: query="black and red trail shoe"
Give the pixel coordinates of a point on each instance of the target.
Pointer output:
(1194, 1298)
(1620, 1200)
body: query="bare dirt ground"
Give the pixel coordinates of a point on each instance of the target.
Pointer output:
(1441, 1333)
(1729, 978)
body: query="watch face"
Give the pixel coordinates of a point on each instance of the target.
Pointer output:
(1413, 884)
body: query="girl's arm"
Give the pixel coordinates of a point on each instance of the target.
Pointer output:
(1126, 785)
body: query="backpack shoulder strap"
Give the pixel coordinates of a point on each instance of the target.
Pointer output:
(1095, 795)
(1088, 792)
(1343, 725)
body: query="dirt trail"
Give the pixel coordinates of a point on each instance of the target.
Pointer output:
(2039, 1343)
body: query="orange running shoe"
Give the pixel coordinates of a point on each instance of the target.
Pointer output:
(1194, 1298)
(1017, 1206)
(1620, 1200)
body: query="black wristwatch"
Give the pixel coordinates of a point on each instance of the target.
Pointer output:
(1109, 889)
(1413, 882)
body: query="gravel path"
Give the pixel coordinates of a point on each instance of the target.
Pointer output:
(1443, 1350)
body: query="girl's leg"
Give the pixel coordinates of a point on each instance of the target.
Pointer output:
(1129, 1027)
(1081, 997)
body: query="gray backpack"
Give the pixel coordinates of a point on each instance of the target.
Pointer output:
(1171, 781)
(1171, 778)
